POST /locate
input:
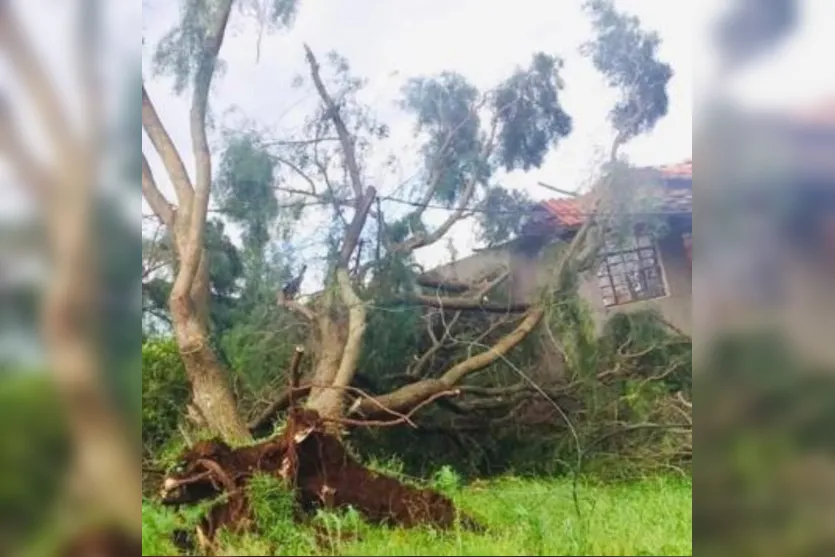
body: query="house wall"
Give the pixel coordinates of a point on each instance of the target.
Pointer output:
(530, 273)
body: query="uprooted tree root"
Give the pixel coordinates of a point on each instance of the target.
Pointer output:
(316, 466)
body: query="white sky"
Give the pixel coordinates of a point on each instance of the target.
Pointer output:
(388, 42)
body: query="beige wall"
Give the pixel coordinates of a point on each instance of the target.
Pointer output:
(529, 273)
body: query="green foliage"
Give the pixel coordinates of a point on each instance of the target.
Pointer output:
(165, 392)
(34, 453)
(225, 270)
(258, 347)
(245, 188)
(179, 51)
(444, 106)
(273, 507)
(503, 214)
(627, 56)
(529, 113)
(447, 481)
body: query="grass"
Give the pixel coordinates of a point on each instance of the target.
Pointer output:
(523, 516)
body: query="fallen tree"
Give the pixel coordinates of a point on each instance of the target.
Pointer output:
(311, 462)
(467, 137)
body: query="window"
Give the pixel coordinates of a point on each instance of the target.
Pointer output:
(630, 270)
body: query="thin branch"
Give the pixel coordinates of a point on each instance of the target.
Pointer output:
(416, 392)
(405, 418)
(297, 142)
(155, 198)
(345, 138)
(558, 190)
(295, 168)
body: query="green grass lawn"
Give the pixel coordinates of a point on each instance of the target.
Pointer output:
(523, 516)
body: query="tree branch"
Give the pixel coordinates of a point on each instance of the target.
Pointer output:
(193, 246)
(167, 151)
(160, 205)
(461, 303)
(355, 228)
(410, 395)
(345, 138)
(296, 307)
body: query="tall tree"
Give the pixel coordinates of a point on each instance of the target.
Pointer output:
(627, 56)
(190, 51)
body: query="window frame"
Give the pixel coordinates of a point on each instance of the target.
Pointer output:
(604, 271)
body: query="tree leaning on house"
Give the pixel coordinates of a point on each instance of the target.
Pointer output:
(467, 136)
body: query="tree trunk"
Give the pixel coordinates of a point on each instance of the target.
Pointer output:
(209, 384)
(327, 400)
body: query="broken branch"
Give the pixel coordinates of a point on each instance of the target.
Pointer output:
(345, 139)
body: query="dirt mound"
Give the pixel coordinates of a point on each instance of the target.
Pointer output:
(316, 465)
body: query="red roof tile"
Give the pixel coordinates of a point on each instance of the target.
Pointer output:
(571, 213)
(567, 211)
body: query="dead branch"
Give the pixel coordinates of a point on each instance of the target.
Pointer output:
(345, 139)
(405, 418)
(408, 396)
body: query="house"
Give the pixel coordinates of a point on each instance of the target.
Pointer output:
(637, 272)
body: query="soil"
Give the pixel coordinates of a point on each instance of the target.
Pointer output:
(322, 473)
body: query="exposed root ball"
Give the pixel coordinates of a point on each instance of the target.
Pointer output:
(316, 464)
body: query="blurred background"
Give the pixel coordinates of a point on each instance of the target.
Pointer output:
(70, 266)
(764, 135)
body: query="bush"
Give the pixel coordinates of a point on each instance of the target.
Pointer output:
(165, 392)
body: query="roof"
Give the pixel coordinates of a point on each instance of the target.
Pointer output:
(571, 212)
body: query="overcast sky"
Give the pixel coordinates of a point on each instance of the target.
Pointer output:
(387, 42)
